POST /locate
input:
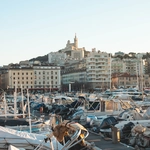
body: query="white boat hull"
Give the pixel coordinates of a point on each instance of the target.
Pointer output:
(25, 140)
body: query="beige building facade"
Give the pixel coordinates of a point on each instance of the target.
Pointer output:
(36, 77)
(47, 77)
(19, 77)
(127, 80)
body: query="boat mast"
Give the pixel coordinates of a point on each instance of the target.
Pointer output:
(142, 78)
(15, 99)
(110, 71)
(22, 101)
(29, 110)
(5, 106)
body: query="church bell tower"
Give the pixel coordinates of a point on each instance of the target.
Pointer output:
(76, 41)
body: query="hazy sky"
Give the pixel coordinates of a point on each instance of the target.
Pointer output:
(31, 28)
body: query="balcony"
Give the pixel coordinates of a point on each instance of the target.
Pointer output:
(91, 73)
(91, 60)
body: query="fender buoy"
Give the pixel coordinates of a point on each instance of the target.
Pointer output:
(41, 109)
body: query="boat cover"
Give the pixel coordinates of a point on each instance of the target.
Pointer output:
(108, 122)
(25, 140)
(147, 113)
(14, 148)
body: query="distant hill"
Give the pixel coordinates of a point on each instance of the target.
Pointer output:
(40, 58)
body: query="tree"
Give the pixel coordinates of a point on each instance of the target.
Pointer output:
(126, 56)
(132, 54)
(40, 58)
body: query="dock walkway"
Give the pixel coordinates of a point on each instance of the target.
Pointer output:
(106, 143)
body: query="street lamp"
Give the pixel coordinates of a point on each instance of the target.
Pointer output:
(70, 86)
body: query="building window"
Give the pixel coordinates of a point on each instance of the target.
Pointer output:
(14, 78)
(55, 77)
(51, 72)
(14, 73)
(22, 78)
(31, 73)
(22, 82)
(18, 73)
(56, 73)
(51, 77)
(31, 78)
(26, 73)
(18, 77)
(22, 73)
(27, 82)
(39, 72)
(26, 77)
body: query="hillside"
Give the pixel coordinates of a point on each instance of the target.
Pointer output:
(40, 58)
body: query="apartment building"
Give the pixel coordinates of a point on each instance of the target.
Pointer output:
(76, 77)
(134, 66)
(35, 77)
(3, 71)
(117, 65)
(131, 66)
(19, 77)
(57, 58)
(147, 66)
(47, 77)
(98, 68)
(127, 80)
(74, 64)
(146, 79)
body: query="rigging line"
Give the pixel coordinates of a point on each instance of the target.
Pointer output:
(6, 143)
(10, 138)
(85, 148)
(18, 143)
(23, 145)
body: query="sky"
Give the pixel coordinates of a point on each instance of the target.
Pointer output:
(32, 28)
